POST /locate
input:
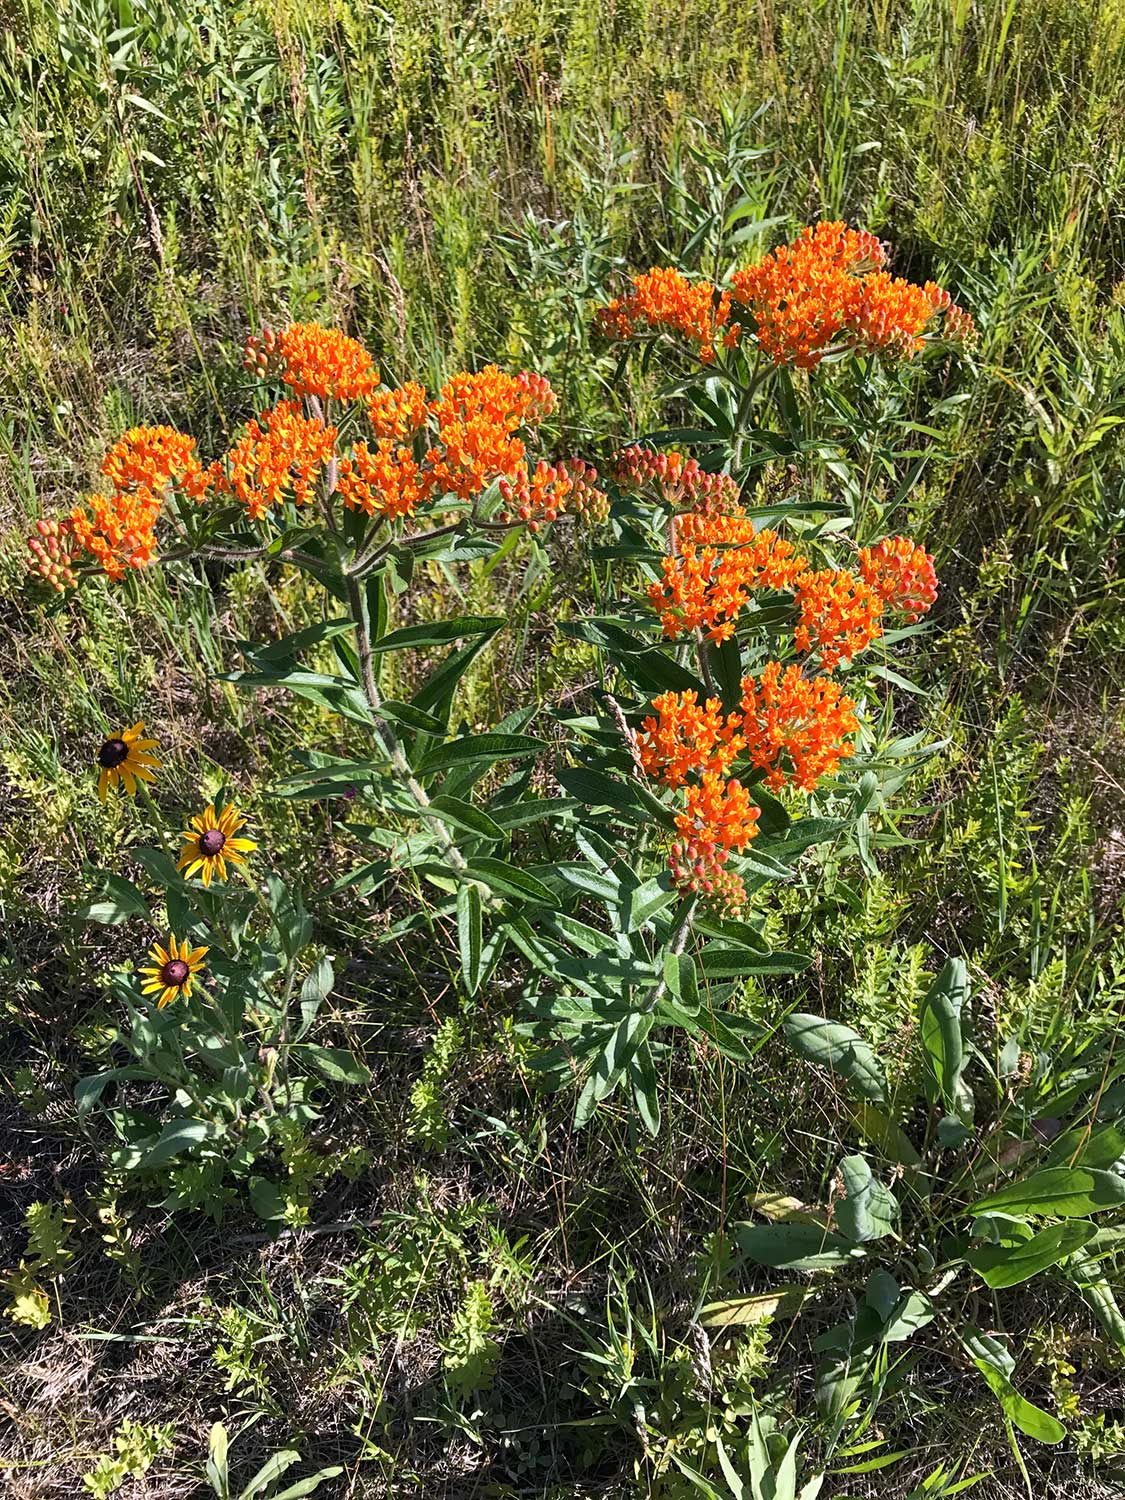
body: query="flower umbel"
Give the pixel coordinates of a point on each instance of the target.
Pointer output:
(212, 842)
(127, 758)
(902, 574)
(173, 970)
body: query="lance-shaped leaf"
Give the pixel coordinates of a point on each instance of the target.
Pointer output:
(831, 1044)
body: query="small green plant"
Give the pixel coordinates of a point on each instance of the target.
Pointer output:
(264, 1483)
(135, 1449)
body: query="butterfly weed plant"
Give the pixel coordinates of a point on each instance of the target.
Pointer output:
(619, 857)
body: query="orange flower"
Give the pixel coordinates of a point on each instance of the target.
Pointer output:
(829, 289)
(117, 530)
(550, 490)
(314, 361)
(665, 300)
(477, 418)
(398, 412)
(807, 721)
(718, 816)
(902, 574)
(281, 452)
(151, 458)
(679, 481)
(838, 615)
(721, 561)
(385, 482)
(687, 736)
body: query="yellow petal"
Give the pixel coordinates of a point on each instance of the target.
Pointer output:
(166, 999)
(245, 845)
(197, 955)
(208, 870)
(131, 734)
(130, 783)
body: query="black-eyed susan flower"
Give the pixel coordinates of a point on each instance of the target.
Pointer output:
(213, 840)
(127, 758)
(173, 970)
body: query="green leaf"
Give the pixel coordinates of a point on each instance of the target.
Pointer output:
(410, 716)
(177, 1137)
(1031, 1420)
(882, 1132)
(642, 1075)
(480, 749)
(466, 816)
(868, 1210)
(1061, 1192)
(120, 900)
(336, 694)
(731, 963)
(335, 1064)
(470, 935)
(1008, 1265)
(504, 878)
(314, 991)
(940, 1019)
(794, 1247)
(440, 632)
(831, 1044)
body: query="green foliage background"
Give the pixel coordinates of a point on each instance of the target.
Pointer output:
(457, 184)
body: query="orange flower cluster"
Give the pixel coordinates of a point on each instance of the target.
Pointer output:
(680, 481)
(838, 614)
(314, 361)
(398, 412)
(718, 817)
(281, 452)
(552, 489)
(787, 726)
(52, 554)
(902, 574)
(665, 300)
(687, 736)
(152, 458)
(720, 562)
(806, 720)
(386, 482)
(477, 418)
(830, 284)
(117, 530)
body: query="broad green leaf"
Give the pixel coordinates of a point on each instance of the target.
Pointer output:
(507, 880)
(718, 962)
(466, 816)
(833, 1045)
(470, 935)
(177, 1137)
(410, 716)
(940, 1020)
(120, 900)
(1031, 1420)
(335, 1064)
(480, 749)
(440, 632)
(314, 991)
(882, 1132)
(868, 1210)
(1008, 1265)
(794, 1247)
(743, 1312)
(1061, 1192)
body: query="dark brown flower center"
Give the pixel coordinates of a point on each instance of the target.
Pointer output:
(212, 841)
(113, 754)
(175, 971)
